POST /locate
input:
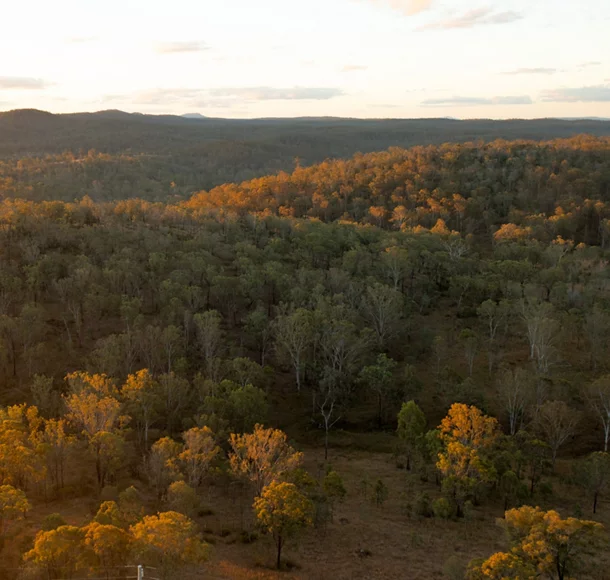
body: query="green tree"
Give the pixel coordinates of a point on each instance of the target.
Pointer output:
(594, 475)
(334, 489)
(411, 429)
(379, 379)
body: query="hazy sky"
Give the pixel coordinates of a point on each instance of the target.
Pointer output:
(361, 58)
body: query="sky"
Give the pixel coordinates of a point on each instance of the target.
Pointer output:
(290, 58)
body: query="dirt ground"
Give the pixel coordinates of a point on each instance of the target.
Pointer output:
(364, 541)
(369, 542)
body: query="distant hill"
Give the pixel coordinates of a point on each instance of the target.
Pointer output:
(149, 153)
(194, 116)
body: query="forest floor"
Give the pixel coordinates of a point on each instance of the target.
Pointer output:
(364, 541)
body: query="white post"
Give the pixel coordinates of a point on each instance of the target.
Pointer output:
(140, 572)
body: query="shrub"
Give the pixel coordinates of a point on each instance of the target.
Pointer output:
(423, 506)
(442, 508)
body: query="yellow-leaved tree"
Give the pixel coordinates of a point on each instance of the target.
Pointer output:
(58, 552)
(93, 406)
(543, 545)
(262, 456)
(283, 510)
(169, 541)
(21, 457)
(200, 449)
(467, 436)
(57, 444)
(106, 546)
(13, 506)
(162, 464)
(141, 395)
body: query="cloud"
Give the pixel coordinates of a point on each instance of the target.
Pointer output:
(22, 83)
(591, 63)
(278, 94)
(408, 7)
(219, 97)
(181, 46)
(594, 94)
(353, 68)
(478, 101)
(80, 39)
(531, 71)
(189, 97)
(476, 17)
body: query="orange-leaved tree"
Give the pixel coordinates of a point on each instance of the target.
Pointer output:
(169, 541)
(262, 456)
(542, 545)
(200, 449)
(467, 435)
(93, 406)
(13, 506)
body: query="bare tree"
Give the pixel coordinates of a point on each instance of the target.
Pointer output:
(515, 386)
(557, 423)
(542, 333)
(471, 347)
(395, 262)
(383, 309)
(598, 396)
(597, 331)
(495, 315)
(209, 334)
(293, 335)
(333, 392)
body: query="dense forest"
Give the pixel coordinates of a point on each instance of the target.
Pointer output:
(362, 362)
(114, 155)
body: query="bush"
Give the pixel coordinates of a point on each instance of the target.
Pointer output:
(454, 568)
(246, 537)
(52, 522)
(545, 489)
(423, 506)
(442, 508)
(380, 492)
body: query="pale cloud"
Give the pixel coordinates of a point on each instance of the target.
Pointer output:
(181, 47)
(80, 39)
(531, 71)
(186, 97)
(353, 68)
(476, 17)
(408, 7)
(478, 101)
(22, 83)
(589, 64)
(594, 94)
(220, 97)
(279, 94)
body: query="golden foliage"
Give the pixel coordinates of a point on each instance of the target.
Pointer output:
(262, 456)
(170, 538)
(543, 545)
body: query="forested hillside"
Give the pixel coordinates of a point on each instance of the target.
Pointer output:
(113, 155)
(429, 327)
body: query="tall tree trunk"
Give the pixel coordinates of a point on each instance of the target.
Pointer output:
(279, 551)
